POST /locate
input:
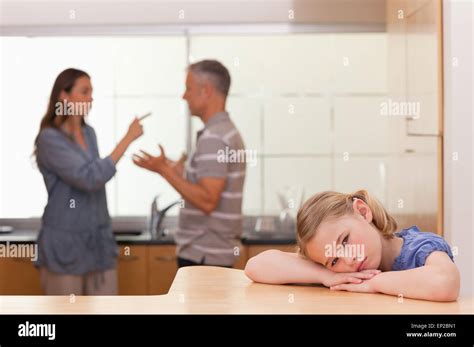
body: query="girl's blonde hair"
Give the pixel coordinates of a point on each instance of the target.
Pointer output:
(330, 204)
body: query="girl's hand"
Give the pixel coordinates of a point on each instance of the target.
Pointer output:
(365, 286)
(349, 278)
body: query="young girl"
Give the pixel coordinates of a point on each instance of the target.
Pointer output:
(348, 242)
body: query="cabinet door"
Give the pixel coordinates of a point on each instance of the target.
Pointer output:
(19, 277)
(240, 264)
(415, 61)
(162, 268)
(132, 270)
(253, 250)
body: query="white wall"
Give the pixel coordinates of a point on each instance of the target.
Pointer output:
(458, 91)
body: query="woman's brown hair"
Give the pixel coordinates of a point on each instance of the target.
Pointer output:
(64, 82)
(330, 204)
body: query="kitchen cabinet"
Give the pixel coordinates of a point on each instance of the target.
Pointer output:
(153, 268)
(132, 270)
(146, 269)
(240, 264)
(162, 268)
(414, 35)
(19, 276)
(415, 76)
(142, 269)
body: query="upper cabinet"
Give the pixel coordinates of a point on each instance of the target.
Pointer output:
(415, 62)
(415, 81)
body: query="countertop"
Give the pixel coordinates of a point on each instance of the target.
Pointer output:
(145, 238)
(213, 290)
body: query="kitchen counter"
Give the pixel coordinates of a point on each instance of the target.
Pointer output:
(220, 290)
(145, 238)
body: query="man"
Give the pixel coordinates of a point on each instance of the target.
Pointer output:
(210, 223)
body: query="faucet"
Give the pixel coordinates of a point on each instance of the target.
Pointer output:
(157, 216)
(287, 215)
(287, 221)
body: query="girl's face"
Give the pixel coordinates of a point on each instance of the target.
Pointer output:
(349, 243)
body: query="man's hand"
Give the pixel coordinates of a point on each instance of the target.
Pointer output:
(205, 195)
(337, 279)
(159, 164)
(178, 166)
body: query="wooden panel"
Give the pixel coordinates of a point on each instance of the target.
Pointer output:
(426, 222)
(132, 270)
(415, 74)
(439, 32)
(19, 277)
(415, 59)
(162, 268)
(253, 250)
(423, 58)
(396, 62)
(415, 5)
(240, 264)
(425, 83)
(339, 11)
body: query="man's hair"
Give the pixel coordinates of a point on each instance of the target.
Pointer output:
(217, 74)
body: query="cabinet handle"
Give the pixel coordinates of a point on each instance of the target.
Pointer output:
(165, 257)
(22, 260)
(410, 133)
(128, 257)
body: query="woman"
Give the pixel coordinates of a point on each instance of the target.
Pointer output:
(77, 249)
(349, 242)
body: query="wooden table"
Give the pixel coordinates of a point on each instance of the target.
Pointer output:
(221, 290)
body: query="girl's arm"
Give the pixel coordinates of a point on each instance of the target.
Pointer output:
(437, 280)
(277, 267)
